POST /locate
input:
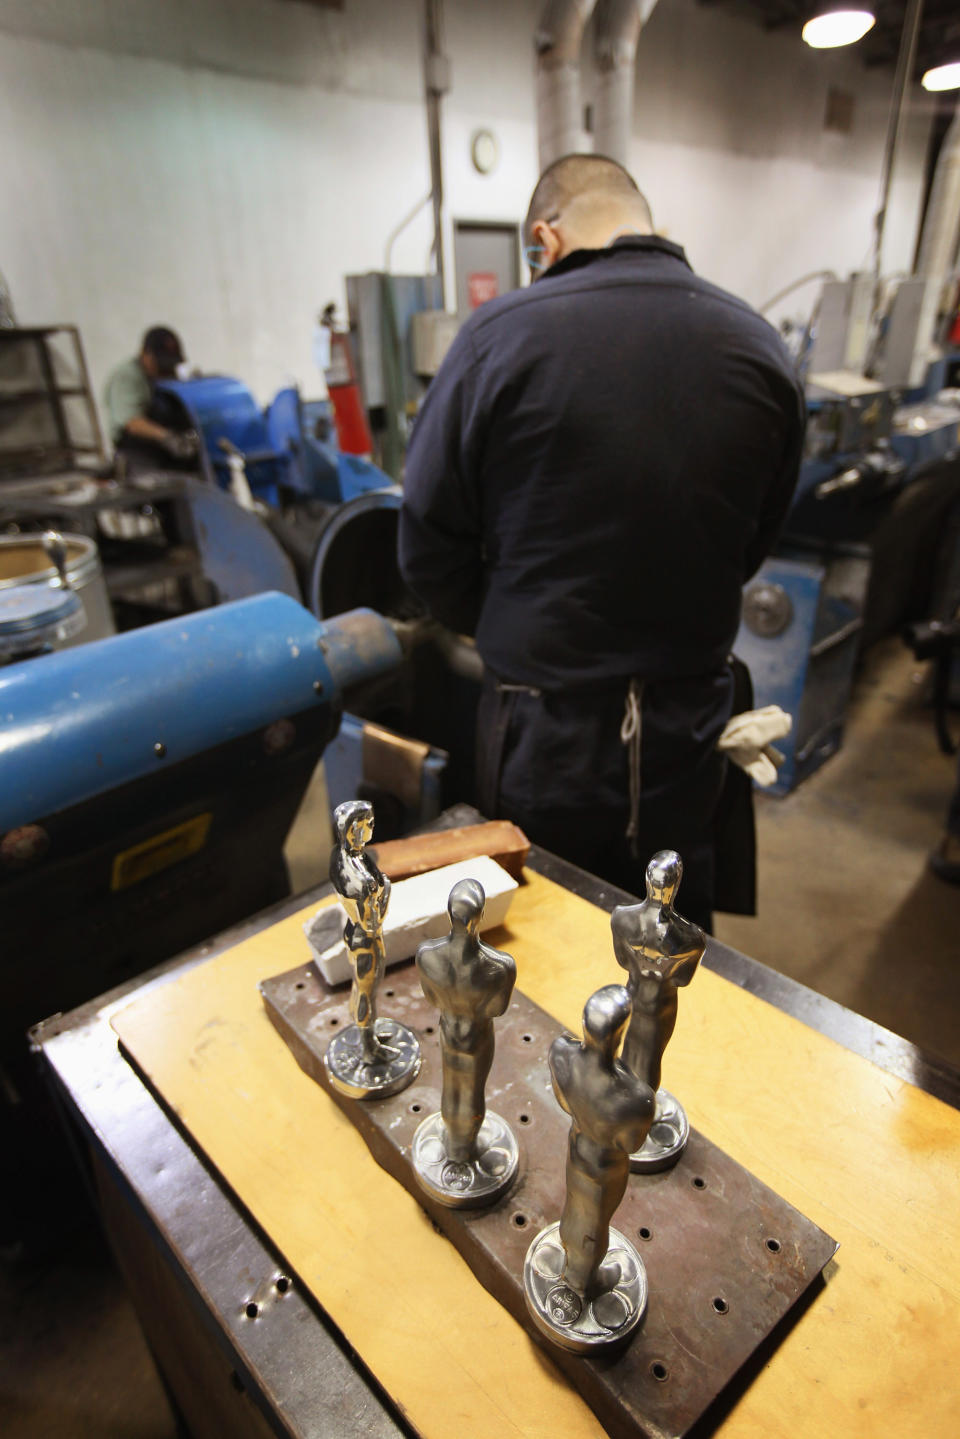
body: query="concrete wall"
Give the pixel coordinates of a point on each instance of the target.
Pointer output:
(730, 143)
(219, 165)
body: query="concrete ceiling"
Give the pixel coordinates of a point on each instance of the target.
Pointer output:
(939, 40)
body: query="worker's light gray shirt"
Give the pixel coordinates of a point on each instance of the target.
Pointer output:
(126, 395)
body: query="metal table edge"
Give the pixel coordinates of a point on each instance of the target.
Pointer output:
(289, 1355)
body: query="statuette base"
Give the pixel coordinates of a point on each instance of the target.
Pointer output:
(564, 1316)
(474, 1182)
(351, 1074)
(667, 1138)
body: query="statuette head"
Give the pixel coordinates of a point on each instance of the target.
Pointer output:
(606, 1015)
(664, 873)
(353, 821)
(465, 905)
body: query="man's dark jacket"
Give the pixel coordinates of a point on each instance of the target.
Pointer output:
(601, 462)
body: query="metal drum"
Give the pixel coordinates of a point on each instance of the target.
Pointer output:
(33, 619)
(355, 560)
(24, 560)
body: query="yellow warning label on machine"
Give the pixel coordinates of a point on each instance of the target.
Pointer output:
(162, 850)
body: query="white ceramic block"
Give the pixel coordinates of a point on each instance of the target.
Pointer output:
(418, 911)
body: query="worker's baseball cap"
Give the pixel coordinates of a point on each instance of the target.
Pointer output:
(165, 347)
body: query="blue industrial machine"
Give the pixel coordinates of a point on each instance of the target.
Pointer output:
(285, 451)
(870, 542)
(802, 619)
(927, 430)
(861, 555)
(148, 782)
(300, 431)
(227, 419)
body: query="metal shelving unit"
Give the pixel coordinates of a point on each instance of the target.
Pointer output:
(48, 419)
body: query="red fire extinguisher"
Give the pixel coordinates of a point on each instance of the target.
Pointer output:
(343, 387)
(953, 334)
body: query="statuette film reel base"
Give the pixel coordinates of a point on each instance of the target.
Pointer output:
(394, 1065)
(466, 1183)
(667, 1138)
(568, 1318)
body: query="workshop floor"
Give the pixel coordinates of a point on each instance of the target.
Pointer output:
(847, 906)
(73, 1361)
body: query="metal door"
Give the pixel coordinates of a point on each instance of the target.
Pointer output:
(487, 261)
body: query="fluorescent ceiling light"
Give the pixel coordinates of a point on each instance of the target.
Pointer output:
(943, 77)
(837, 27)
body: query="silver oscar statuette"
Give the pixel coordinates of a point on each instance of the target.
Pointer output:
(465, 1155)
(659, 950)
(372, 1057)
(584, 1282)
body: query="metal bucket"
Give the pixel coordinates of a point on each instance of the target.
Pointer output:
(24, 561)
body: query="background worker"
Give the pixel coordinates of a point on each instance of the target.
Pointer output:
(137, 432)
(600, 464)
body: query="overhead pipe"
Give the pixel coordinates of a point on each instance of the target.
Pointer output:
(906, 61)
(436, 70)
(618, 27)
(941, 227)
(557, 44)
(938, 247)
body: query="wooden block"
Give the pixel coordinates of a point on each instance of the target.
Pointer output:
(499, 839)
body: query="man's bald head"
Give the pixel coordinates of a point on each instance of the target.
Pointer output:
(590, 197)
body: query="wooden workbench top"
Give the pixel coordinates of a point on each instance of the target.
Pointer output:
(871, 1159)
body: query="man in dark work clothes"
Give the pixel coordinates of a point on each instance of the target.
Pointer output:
(600, 464)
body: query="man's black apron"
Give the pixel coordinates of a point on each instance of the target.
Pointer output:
(555, 764)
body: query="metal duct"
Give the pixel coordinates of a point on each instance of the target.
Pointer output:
(436, 70)
(557, 44)
(938, 248)
(619, 23)
(941, 228)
